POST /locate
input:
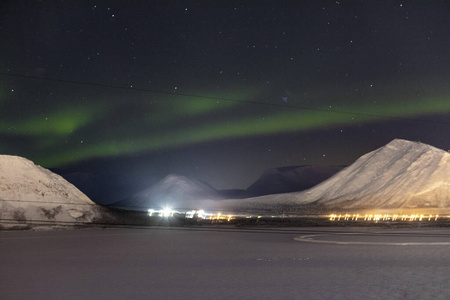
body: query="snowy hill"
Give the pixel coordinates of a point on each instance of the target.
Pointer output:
(402, 174)
(173, 190)
(31, 193)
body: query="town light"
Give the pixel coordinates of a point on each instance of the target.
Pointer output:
(201, 214)
(384, 217)
(167, 212)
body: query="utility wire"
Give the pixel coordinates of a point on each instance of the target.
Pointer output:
(298, 107)
(47, 202)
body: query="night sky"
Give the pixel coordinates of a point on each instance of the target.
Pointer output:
(219, 90)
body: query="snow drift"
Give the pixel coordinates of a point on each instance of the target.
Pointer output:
(400, 175)
(31, 193)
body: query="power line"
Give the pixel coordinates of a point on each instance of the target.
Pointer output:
(298, 107)
(47, 202)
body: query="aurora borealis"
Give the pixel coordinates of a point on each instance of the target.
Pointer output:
(220, 91)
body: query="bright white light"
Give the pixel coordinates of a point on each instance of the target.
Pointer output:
(167, 212)
(150, 212)
(190, 214)
(201, 214)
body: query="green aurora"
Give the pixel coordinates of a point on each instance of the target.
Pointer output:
(65, 134)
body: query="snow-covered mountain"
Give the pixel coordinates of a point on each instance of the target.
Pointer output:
(400, 175)
(31, 193)
(173, 191)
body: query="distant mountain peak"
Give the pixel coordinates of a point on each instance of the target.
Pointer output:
(290, 179)
(171, 190)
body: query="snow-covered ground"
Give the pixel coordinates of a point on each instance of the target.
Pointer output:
(222, 264)
(31, 193)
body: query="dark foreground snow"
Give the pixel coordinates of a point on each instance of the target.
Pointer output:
(222, 264)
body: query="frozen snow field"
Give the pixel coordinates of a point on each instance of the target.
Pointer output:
(225, 263)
